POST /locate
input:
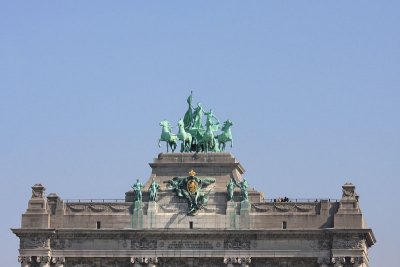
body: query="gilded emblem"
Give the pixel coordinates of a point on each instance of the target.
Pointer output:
(192, 186)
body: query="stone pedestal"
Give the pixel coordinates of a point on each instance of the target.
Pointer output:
(245, 208)
(37, 216)
(137, 217)
(231, 221)
(151, 214)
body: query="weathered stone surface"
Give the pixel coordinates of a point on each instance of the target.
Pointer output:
(57, 232)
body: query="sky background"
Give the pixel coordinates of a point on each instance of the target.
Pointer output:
(312, 88)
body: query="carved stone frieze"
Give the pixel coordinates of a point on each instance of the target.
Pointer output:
(284, 262)
(321, 244)
(97, 208)
(34, 242)
(187, 262)
(76, 207)
(304, 207)
(98, 262)
(60, 244)
(119, 208)
(261, 207)
(284, 208)
(237, 244)
(348, 244)
(143, 244)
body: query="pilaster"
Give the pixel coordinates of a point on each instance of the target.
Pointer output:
(231, 222)
(137, 217)
(245, 208)
(151, 215)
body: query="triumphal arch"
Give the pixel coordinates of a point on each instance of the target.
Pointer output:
(196, 209)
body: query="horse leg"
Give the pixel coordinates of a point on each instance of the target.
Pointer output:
(173, 147)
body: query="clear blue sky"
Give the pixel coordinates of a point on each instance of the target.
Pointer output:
(311, 86)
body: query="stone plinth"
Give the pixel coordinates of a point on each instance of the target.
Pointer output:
(222, 166)
(137, 217)
(231, 217)
(245, 208)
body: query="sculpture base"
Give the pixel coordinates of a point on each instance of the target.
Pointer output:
(245, 208)
(231, 222)
(137, 217)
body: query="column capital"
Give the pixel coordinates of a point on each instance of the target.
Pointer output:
(338, 261)
(231, 260)
(24, 259)
(43, 259)
(144, 260)
(359, 261)
(57, 260)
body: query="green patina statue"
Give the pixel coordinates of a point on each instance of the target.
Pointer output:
(166, 135)
(225, 136)
(230, 187)
(188, 119)
(243, 185)
(194, 136)
(197, 117)
(137, 189)
(185, 137)
(190, 188)
(153, 189)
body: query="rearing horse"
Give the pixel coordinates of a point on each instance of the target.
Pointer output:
(226, 135)
(166, 135)
(184, 136)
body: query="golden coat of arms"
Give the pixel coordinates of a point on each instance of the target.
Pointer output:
(192, 186)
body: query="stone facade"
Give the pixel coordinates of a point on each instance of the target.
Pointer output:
(56, 232)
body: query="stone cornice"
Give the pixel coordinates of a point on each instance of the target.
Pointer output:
(367, 232)
(26, 232)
